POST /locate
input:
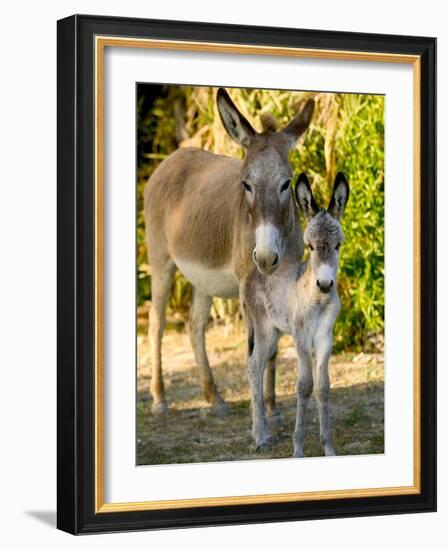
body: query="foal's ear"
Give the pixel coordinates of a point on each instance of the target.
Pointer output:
(299, 124)
(339, 198)
(304, 197)
(237, 126)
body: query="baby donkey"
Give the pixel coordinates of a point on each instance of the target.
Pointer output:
(300, 299)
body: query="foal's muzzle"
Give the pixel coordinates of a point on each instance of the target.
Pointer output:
(325, 285)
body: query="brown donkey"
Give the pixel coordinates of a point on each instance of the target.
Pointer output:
(215, 218)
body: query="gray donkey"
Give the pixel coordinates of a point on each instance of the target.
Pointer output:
(215, 218)
(300, 299)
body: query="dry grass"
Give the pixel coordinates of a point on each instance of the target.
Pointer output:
(191, 433)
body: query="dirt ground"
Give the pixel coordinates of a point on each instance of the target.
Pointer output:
(191, 433)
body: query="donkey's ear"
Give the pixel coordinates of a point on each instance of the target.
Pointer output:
(238, 128)
(339, 198)
(304, 197)
(299, 124)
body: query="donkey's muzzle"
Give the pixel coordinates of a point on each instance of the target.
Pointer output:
(325, 285)
(267, 262)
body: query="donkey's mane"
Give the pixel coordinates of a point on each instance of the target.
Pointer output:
(268, 123)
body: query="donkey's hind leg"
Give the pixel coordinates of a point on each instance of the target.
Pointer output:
(199, 316)
(273, 415)
(161, 282)
(324, 344)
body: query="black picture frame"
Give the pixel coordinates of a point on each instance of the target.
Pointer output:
(76, 254)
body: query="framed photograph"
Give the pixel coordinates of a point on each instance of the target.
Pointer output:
(246, 274)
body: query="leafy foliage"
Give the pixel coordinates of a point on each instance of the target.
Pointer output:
(346, 134)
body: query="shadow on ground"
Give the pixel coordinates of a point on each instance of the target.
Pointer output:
(192, 433)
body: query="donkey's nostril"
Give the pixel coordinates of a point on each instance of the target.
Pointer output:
(254, 254)
(275, 262)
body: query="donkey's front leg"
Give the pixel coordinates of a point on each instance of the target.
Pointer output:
(304, 390)
(323, 347)
(261, 344)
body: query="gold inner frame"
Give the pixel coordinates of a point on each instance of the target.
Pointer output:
(101, 42)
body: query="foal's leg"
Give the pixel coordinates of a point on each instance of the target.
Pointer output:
(323, 346)
(304, 390)
(262, 343)
(161, 280)
(273, 414)
(199, 316)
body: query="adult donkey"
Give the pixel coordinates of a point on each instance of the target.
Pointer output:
(212, 217)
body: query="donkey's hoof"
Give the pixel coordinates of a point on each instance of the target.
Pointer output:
(221, 409)
(329, 451)
(298, 453)
(267, 443)
(160, 408)
(275, 419)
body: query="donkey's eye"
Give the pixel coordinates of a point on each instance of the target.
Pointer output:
(285, 186)
(246, 186)
(311, 247)
(338, 246)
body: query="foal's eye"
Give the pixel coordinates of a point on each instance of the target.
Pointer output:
(311, 247)
(285, 186)
(246, 186)
(338, 246)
